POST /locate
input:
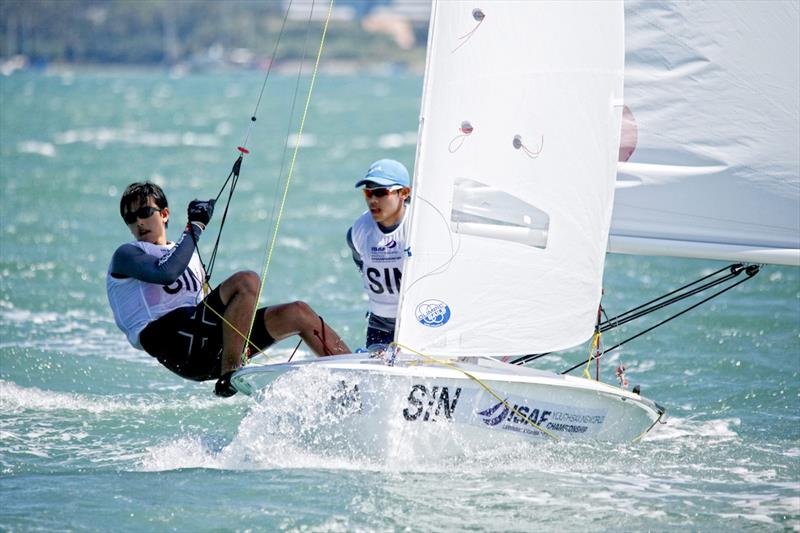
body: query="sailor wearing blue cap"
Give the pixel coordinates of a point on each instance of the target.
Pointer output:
(378, 242)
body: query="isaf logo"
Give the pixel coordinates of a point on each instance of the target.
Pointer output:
(501, 412)
(428, 404)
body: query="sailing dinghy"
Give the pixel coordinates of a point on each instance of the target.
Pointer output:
(514, 190)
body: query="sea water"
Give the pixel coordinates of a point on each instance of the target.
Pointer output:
(96, 436)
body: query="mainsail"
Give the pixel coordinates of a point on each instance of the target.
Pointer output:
(713, 89)
(514, 179)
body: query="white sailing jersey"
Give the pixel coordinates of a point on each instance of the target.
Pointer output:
(136, 303)
(383, 255)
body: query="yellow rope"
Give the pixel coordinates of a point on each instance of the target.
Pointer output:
(289, 175)
(586, 374)
(445, 362)
(247, 341)
(595, 342)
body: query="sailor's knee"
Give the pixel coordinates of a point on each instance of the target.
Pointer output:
(244, 283)
(302, 311)
(247, 281)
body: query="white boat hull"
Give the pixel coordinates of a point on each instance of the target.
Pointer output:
(469, 402)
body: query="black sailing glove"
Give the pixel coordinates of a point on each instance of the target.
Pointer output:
(201, 211)
(223, 388)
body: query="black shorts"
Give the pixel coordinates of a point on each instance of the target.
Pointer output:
(188, 340)
(378, 336)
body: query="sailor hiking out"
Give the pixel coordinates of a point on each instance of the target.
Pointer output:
(155, 289)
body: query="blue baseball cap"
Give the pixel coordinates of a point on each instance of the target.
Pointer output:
(386, 172)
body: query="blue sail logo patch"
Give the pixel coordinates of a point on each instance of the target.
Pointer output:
(432, 313)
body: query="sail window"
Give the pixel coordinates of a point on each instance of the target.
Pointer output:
(484, 211)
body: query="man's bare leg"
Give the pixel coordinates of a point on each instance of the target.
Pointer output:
(297, 318)
(238, 293)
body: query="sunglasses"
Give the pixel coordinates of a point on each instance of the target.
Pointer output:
(143, 212)
(380, 192)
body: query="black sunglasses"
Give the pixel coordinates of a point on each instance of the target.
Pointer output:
(143, 212)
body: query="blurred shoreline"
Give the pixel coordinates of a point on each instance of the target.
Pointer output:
(333, 67)
(213, 36)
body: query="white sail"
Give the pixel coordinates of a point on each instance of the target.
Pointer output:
(514, 178)
(713, 88)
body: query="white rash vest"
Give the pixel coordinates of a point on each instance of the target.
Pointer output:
(383, 255)
(136, 303)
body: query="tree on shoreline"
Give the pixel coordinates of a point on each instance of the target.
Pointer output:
(164, 32)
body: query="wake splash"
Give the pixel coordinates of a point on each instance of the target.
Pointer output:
(15, 399)
(717, 430)
(309, 421)
(312, 419)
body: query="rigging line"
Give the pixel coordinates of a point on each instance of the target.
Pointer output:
(207, 271)
(450, 364)
(608, 326)
(283, 163)
(751, 272)
(614, 319)
(233, 175)
(213, 258)
(292, 164)
(247, 342)
(234, 171)
(479, 16)
(528, 358)
(276, 196)
(646, 431)
(610, 323)
(592, 351)
(285, 149)
(455, 246)
(295, 350)
(266, 77)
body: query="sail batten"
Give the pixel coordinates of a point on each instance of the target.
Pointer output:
(622, 244)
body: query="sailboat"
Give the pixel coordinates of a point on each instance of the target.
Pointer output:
(539, 150)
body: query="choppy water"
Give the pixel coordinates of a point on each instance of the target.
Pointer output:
(96, 436)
